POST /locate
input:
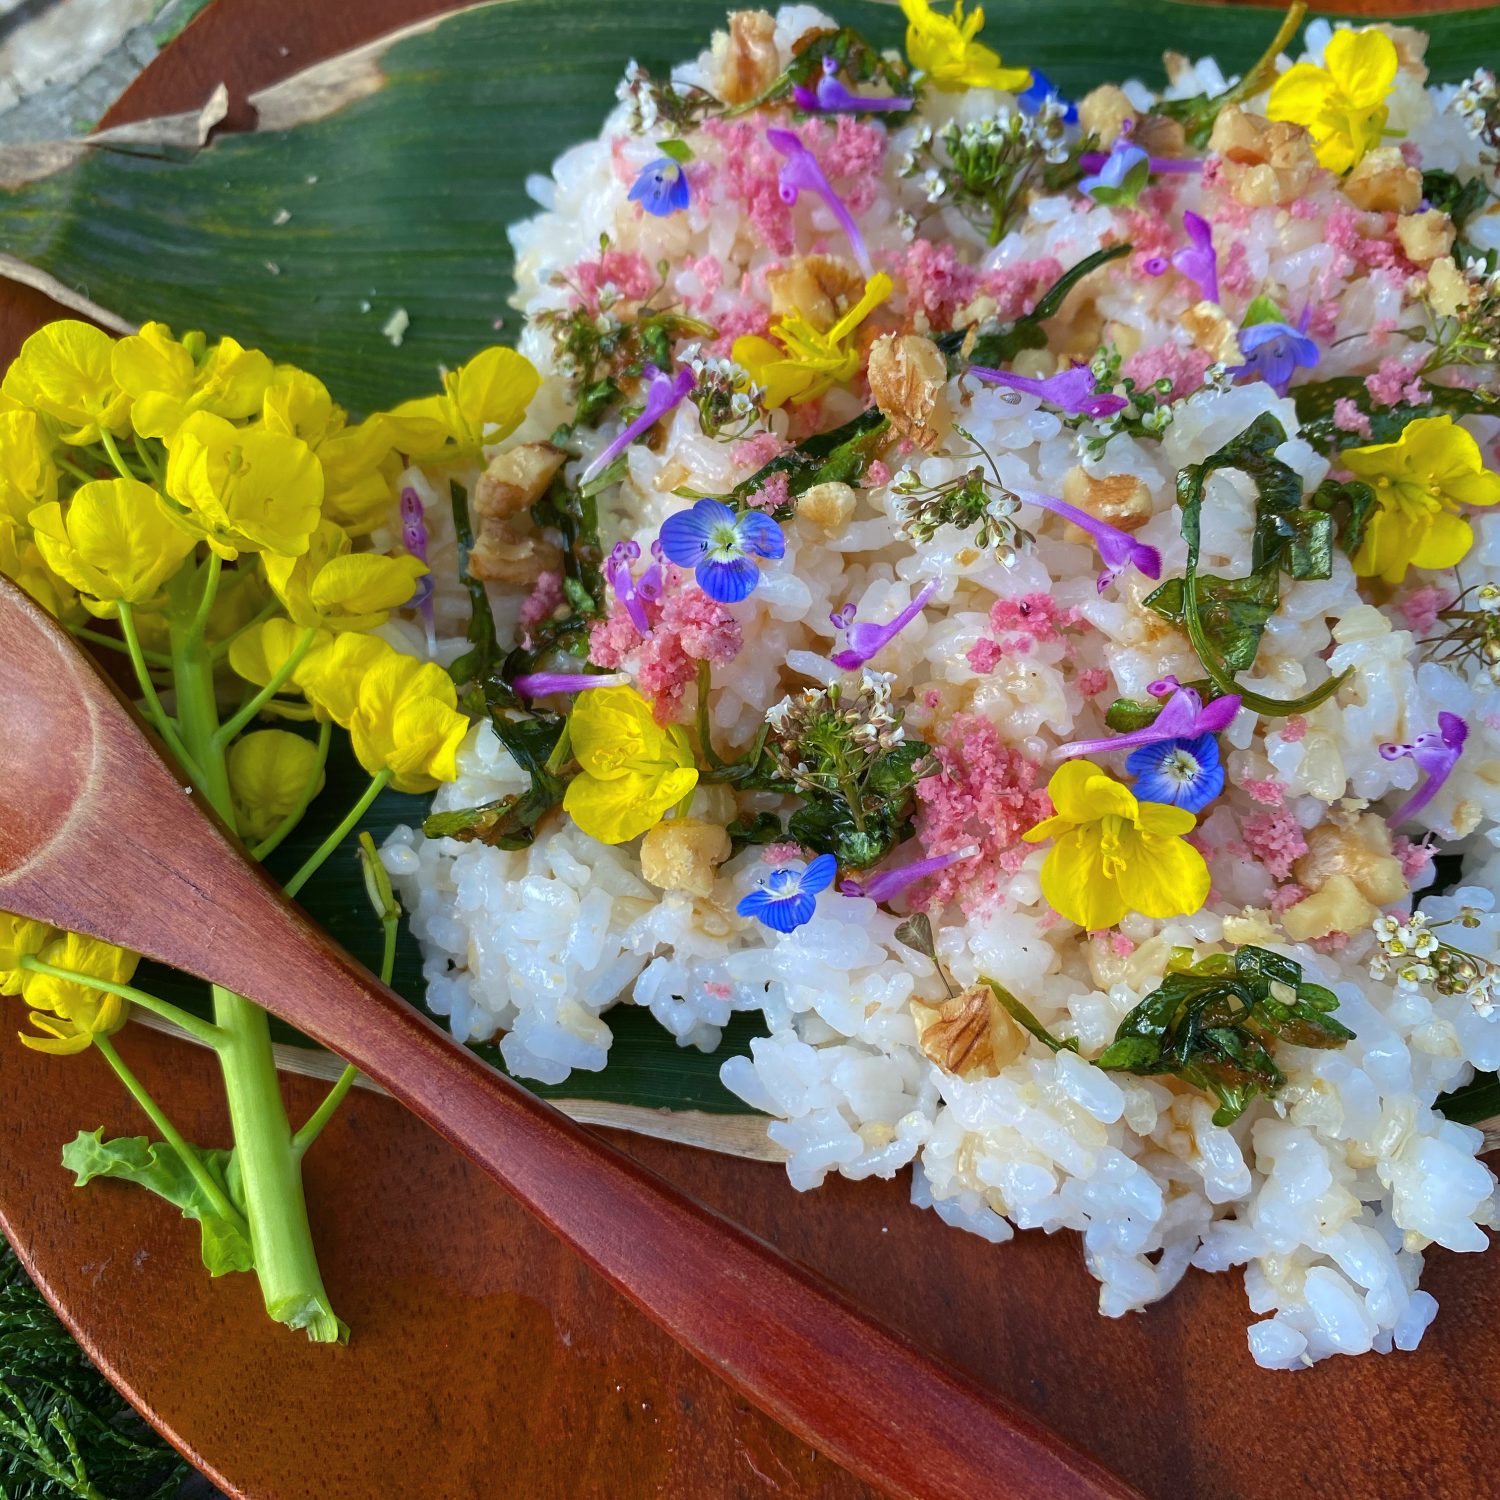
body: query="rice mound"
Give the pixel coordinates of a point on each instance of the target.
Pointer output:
(1328, 1195)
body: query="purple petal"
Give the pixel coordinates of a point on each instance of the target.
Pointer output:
(663, 394)
(687, 534)
(800, 171)
(886, 885)
(543, 684)
(728, 582)
(1454, 730)
(759, 535)
(1117, 548)
(1437, 753)
(1183, 717)
(866, 640)
(806, 99)
(1198, 262)
(1072, 390)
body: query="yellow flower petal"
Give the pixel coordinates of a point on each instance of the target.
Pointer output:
(75, 1001)
(943, 48)
(1073, 886)
(28, 476)
(63, 371)
(1390, 541)
(1163, 818)
(621, 809)
(1362, 65)
(482, 401)
(1446, 540)
(20, 938)
(1166, 877)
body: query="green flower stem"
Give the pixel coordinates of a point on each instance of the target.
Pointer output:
(270, 1169)
(316, 860)
(170, 1134)
(98, 638)
(195, 1026)
(324, 1112)
(211, 575)
(231, 727)
(562, 749)
(115, 456)
(272, 840)
(164, 724)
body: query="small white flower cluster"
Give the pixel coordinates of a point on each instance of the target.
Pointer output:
(1414, 955)
(724, 393)
(1478, 104)
(637, 90)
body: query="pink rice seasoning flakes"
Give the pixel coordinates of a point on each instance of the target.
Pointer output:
(1006, 587)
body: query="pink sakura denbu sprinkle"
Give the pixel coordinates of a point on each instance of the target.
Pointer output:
(1117, 549)
(1183, 717)
(1276, 840)
(985, 655)
(1436, 753)
(541, 603)
(1415, 858)
(1269, 793)
(1347, 417)
(1092, 681)
(717, 989)
(864, 640)
(885, 885)
(1419, 610)
(1294, 729)
(876, 474)
(800, 173)
(780, 854)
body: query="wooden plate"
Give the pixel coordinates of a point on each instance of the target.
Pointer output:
(488, 1362)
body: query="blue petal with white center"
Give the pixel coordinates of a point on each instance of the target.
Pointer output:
(661, 188)
(789, 896)
(1185, 773)
(720, 547)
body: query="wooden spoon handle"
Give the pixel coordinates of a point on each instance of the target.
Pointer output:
(784, 1338)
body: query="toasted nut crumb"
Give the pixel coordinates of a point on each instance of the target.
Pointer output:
(1338, 907)
(1448, 289)
(821, 287)
(907, 376)
(1264, 161)
(970, 1034)
(681, 854)
(827, 506)
(745, 60)
(1411, 47)
(1124, 500)
(1382, 182)
(1104, 111)
(516, 478)
(1425, 236)
(1213, 332)
(1361, 850)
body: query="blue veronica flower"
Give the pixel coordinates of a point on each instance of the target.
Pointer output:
(1185, 773)
(788, 897)
(661, 187)
(719, 546)
(1042, 89)
(1274, 352)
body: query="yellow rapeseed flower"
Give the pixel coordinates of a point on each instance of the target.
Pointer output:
(298, 404)
(632, 768)
(1343, 103)
(331, 585)
(360, 472)
(406, 721)
(169, 379)
(243, 488)
(114, 543)
(20, 938)
(28, 476)
(482, 402)
(944, 50)
(1419, 482)
(1113, 854)
(69, 1013)
(63, 371)
(807, 362)
(269, 775)
(22, 563)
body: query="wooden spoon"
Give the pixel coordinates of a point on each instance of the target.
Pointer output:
(99, 835)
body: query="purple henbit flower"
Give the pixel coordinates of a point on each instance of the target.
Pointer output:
(831, 97)
(634, 593)
(1274, 352)
(1163, 687)
(1072, 390)
(862, 641)
(1156, 265)
(1117, 549)
(663, 394)
(544, 684)
(885, 885)
(661, 187)
(414, 539)
(1197, 260)
(800, 171)
(720, 547)
(1184, 716)
(1436, 753)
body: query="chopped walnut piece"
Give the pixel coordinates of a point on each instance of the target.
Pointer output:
(1425, 236)
(827, 506)
(970, 1034)
(1361, 851)
(1338, 907)
(1104, 111)
(1382, 182)
(1264, 161)
(1124, 500)
(1214, 332)
(907, 376)
(1160, 136)
(681, 854)
(1448, 290)
(821, 287)
(507, 546)
(745, 60)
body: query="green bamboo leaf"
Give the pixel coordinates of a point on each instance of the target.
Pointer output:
(390, 188)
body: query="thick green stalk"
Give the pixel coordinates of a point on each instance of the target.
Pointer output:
(269, 1164)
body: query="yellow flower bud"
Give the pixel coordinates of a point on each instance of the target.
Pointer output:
(406, 721)
(167, 384)
(270, 771)
(76, 1013)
